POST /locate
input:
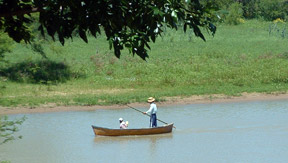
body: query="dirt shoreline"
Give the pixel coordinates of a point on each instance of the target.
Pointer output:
(168, 101)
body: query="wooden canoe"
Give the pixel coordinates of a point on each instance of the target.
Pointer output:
(123, 132)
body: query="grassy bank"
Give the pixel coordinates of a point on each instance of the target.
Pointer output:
(250, 57)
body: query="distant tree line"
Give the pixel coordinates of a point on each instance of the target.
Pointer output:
(267, 10)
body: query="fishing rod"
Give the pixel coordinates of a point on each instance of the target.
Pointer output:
(148, 115)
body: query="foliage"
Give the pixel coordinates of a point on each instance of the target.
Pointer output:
(250, 8)
(126, 23)
(278, 28)
(37, 72)
(5, 44)
(221, 4)
(8, 128)
(5, 161)
(235, 14)
(263, 9)
(36, 41)
(271, 10)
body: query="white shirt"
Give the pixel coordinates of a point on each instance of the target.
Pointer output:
(123, 125)
(152, 109)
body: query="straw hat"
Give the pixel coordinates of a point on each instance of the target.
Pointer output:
(151, 99)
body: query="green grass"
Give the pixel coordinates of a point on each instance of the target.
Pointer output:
(243, 58)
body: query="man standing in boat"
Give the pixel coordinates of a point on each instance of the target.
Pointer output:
(152, 111)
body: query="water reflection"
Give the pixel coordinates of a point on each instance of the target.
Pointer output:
(153, 141)
(150, 138)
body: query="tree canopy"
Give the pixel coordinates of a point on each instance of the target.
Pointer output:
(126, 23)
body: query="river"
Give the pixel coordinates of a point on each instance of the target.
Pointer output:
(223, 132)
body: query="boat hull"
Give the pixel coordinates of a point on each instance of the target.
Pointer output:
(124, 132)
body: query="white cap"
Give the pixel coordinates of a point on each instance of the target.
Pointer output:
(120, 119)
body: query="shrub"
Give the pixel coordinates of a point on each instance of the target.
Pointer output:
(37, 72)
(5, 44)
(235, 14)
(271, 10)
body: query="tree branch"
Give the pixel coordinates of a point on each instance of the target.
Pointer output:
(20, 12)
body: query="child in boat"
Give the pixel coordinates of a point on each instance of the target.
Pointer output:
(123, 125)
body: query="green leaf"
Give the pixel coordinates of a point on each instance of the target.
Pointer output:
(82, 34)
(212, 28)
(185, 27)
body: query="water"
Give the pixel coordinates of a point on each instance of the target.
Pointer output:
(225, 132)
